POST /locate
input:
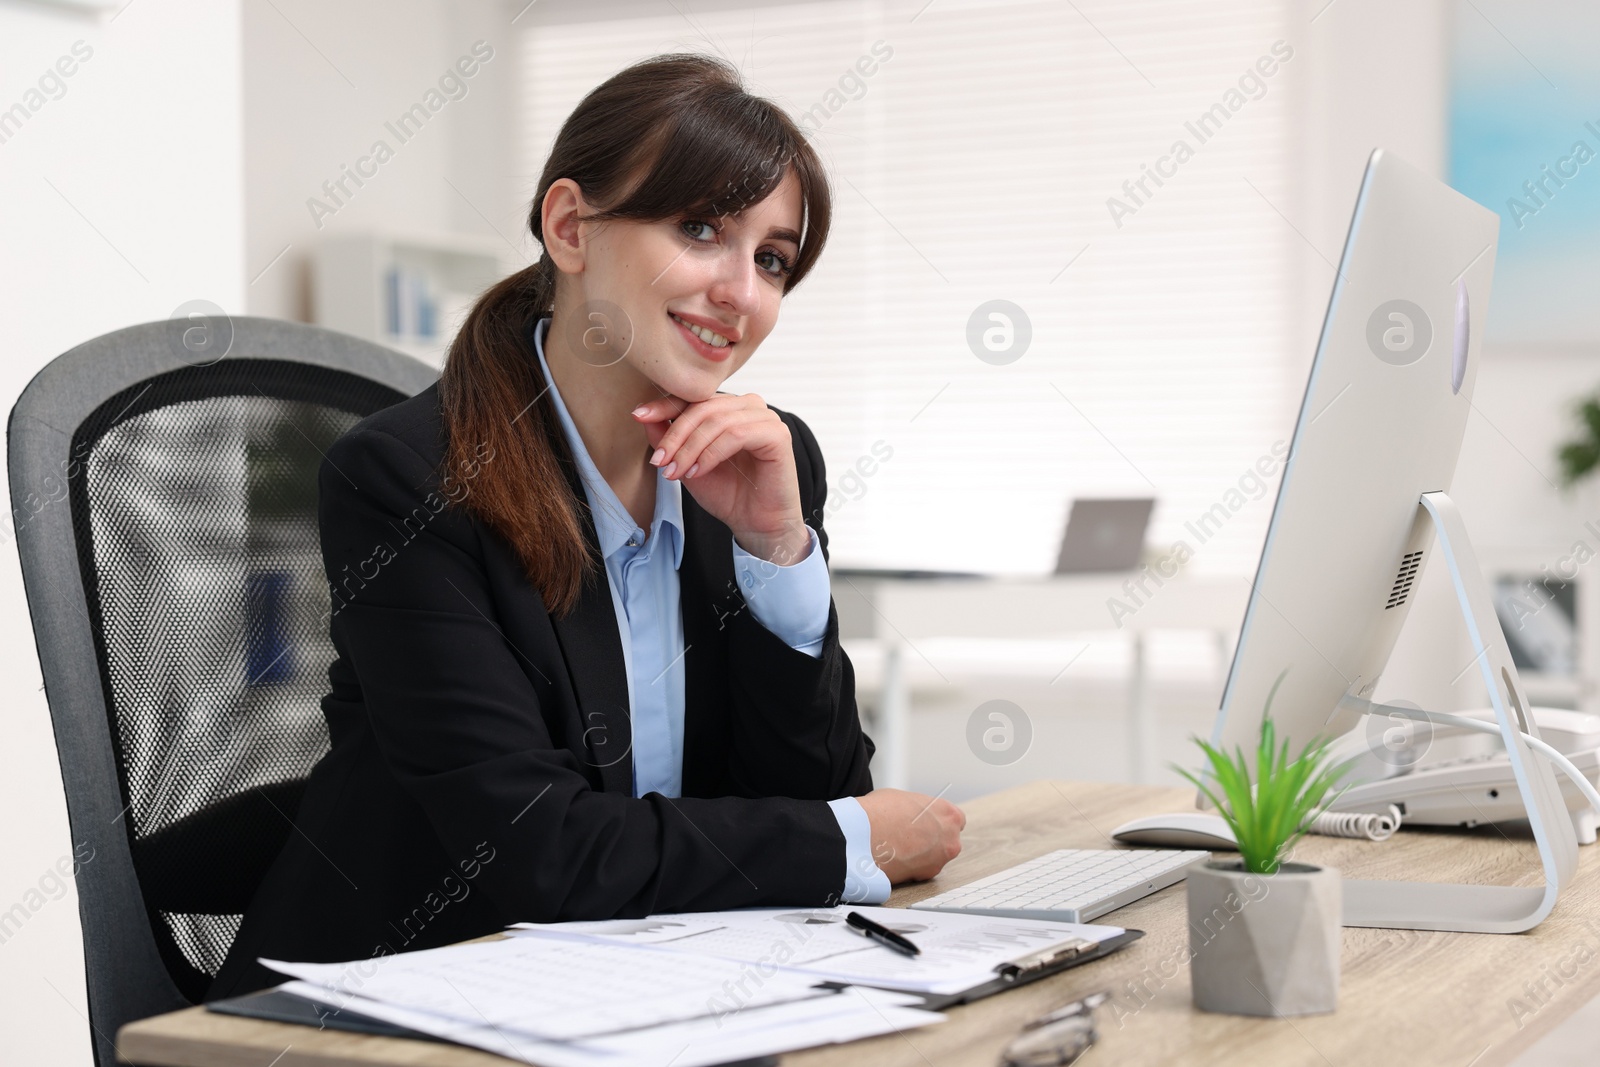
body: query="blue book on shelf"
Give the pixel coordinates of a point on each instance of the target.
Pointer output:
(427, 311)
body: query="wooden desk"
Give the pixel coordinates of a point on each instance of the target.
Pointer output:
(1413, 998)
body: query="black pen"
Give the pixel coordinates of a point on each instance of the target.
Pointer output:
(881, 934)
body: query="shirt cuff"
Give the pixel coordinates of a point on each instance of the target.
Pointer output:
(864, 883)
(792, 602)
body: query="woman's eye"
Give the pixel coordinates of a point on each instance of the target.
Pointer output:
(781, 266)
(687, 223)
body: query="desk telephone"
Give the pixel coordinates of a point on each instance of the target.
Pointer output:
(1449, 776)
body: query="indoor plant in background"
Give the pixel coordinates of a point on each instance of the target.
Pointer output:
(1264, 931)
(1579, 457)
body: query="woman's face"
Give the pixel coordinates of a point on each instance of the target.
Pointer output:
(724, 274)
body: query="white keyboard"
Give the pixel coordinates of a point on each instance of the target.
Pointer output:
(1071, 884)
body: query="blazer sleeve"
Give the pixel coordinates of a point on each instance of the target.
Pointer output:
(795, 728)
(456, 717)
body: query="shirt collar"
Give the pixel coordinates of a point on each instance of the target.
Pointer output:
(613, 523)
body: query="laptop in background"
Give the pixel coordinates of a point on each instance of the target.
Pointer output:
(1104, 535)
(1101, 536)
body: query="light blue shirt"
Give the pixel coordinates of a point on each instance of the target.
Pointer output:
(792, 602)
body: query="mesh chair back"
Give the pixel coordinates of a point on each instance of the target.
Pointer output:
(168, 534)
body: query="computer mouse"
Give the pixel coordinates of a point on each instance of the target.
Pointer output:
(1187, 829)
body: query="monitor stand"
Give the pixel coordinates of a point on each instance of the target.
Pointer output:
(1488, 909)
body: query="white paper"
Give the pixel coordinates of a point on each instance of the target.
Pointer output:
(557, 989)
(846, 1016)
(959, 950)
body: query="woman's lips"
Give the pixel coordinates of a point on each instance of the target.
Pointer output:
(714, 354)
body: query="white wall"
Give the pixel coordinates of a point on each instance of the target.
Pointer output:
(315, 106)
(124, 198)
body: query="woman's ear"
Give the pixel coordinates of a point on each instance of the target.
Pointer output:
(563, 232)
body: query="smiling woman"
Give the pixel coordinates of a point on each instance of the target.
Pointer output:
(601, 642)
(678, 151)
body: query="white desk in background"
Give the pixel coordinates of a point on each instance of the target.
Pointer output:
(897, 612)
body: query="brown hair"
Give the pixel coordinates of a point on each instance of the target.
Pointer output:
(703, 146)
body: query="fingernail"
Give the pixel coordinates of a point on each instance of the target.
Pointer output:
(642, 410)
(660, 454)
(692, 470)
(669, 468)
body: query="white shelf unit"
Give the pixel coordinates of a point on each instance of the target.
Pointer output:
(354, 286)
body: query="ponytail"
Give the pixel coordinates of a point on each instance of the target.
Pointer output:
(521, 490)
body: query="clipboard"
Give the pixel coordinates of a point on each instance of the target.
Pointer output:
(1031, 968)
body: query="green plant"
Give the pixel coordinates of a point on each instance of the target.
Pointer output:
(1270, 815)
(1580, 457)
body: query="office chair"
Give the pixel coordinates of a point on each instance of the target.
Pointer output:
(164, 492)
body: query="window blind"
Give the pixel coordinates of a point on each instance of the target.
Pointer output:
(985, 159)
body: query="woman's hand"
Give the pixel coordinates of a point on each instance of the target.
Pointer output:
(913, 835)
(736, 458)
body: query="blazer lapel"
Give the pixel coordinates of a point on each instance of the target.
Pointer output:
(592, 646)
(707, 597)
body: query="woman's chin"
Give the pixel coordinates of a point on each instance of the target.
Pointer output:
(690, 387)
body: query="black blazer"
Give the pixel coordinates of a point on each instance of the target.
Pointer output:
(480, 769)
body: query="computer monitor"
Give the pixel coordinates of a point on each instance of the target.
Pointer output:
(1381, 423)
(1363, 492)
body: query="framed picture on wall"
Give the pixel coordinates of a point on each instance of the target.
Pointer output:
(1540, 620)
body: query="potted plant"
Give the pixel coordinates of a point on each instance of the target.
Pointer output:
(1264, 931)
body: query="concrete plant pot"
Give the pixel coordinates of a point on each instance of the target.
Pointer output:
(1264, 944)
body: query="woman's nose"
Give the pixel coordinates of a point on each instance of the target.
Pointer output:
(736, 286)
